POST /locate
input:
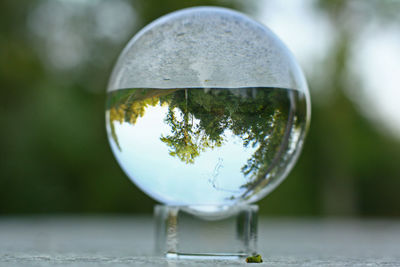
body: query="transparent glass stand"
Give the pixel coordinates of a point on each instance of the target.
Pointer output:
(184, 232)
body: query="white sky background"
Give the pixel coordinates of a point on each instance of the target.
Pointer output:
(376, 55)
(378, 62)
(308, 34)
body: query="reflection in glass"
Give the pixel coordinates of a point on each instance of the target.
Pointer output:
(206, 146)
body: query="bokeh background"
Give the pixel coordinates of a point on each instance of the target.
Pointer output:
(56, 57)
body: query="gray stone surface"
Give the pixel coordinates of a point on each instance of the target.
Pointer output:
(128, 241)
(206, 47)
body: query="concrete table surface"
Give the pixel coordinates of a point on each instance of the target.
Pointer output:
(128, 241)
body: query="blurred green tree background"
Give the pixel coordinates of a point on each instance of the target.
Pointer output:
(55, 59)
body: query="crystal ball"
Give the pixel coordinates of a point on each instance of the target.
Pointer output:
(206, 108)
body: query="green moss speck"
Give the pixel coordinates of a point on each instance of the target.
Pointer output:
(254, 259)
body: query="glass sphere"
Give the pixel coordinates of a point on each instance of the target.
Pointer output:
(206, 108)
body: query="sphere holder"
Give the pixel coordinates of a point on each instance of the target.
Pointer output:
(180, 233)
